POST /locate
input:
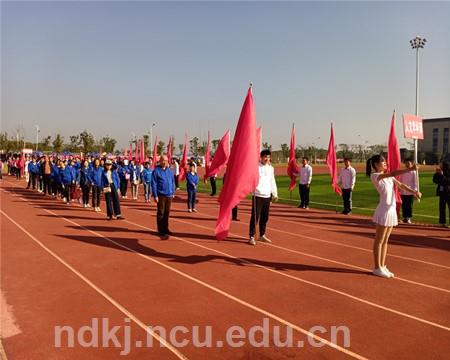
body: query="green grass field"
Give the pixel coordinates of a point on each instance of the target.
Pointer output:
(365, 197)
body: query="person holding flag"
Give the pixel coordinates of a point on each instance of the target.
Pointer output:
(347, 179)
(410, 179)
(265, 192)
(385, 216)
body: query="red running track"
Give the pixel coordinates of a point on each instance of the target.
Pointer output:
(65, 265)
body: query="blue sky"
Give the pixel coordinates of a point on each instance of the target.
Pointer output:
(116, 67)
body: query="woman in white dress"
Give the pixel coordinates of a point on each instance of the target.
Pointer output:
(385, 216)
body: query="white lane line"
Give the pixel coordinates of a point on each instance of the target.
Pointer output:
(284, 274)
(217, 290)
(117, 305)
(312, 256)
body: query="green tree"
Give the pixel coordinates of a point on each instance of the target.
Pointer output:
(108, 144)
(193, 146)
(285, 150)
(74, 143)
(160, 147)
(215, 144)
(267, 146)
(58, 143)
(87, 142)
(45, 144)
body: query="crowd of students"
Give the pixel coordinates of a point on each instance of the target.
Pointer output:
(72, 178)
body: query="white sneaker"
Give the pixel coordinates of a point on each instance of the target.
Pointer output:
(386, 270)
(194, 210)
(381, 273)
(65, 199)
(252, 241)
(263, 238)
(189, 210)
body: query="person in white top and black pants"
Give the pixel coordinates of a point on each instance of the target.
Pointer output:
(347, 179)
(305, 174)
(410, 179)
(265, 192)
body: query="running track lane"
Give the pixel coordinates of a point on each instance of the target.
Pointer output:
(64, 209)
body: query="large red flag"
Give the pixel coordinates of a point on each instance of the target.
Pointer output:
(169, 150)
(242, 170)
(292, 168)
(393, 158)
(331, 162)
(183, 162)
(220, 156)
(155, 155)
(207, 156)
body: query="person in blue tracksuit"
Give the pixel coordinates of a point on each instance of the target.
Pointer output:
(66, 178)
(56, 181)
(85, 183)
(163, 190)
(33, 171)
(95, 177)
(135, 173)
(110, 184)
(76, 176)
(191, 185)
(124, 176)
(146, 177)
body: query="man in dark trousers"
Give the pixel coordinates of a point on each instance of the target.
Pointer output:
(163, 190)
(265, 192)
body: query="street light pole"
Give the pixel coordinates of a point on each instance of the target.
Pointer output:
(151, 136)
(37, 137)
(417, 43)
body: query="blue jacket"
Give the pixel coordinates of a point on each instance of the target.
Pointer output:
(33, 168)
(84, 177)
(163, 182)
(115, 179)
(66, 176)
(136, 170)
(191, 181)
(55, 174)
(147, 175)
(95, 176)
(122, 171)
(75, 173)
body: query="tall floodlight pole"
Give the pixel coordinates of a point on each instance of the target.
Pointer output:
(37, 137)
(151, 136)
(417, 43)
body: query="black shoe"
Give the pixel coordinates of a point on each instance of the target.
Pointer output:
(236, 219)
(165, 237)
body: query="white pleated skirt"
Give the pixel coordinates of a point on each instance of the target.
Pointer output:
(385, 216)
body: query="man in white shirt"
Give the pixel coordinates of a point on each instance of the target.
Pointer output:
(347, 179)
(305, 174)
(265, 192)
(410, 179)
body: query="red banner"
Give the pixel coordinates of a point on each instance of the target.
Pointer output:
(412, 126)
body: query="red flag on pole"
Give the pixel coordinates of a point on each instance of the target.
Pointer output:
(242, 171)
(292, 168)
(207, 156)
(136, 151)
(155, 155)
(142, 151)
(169, 149)
(220, 156)
(183, 162)
(393, 157)
(331, 162)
